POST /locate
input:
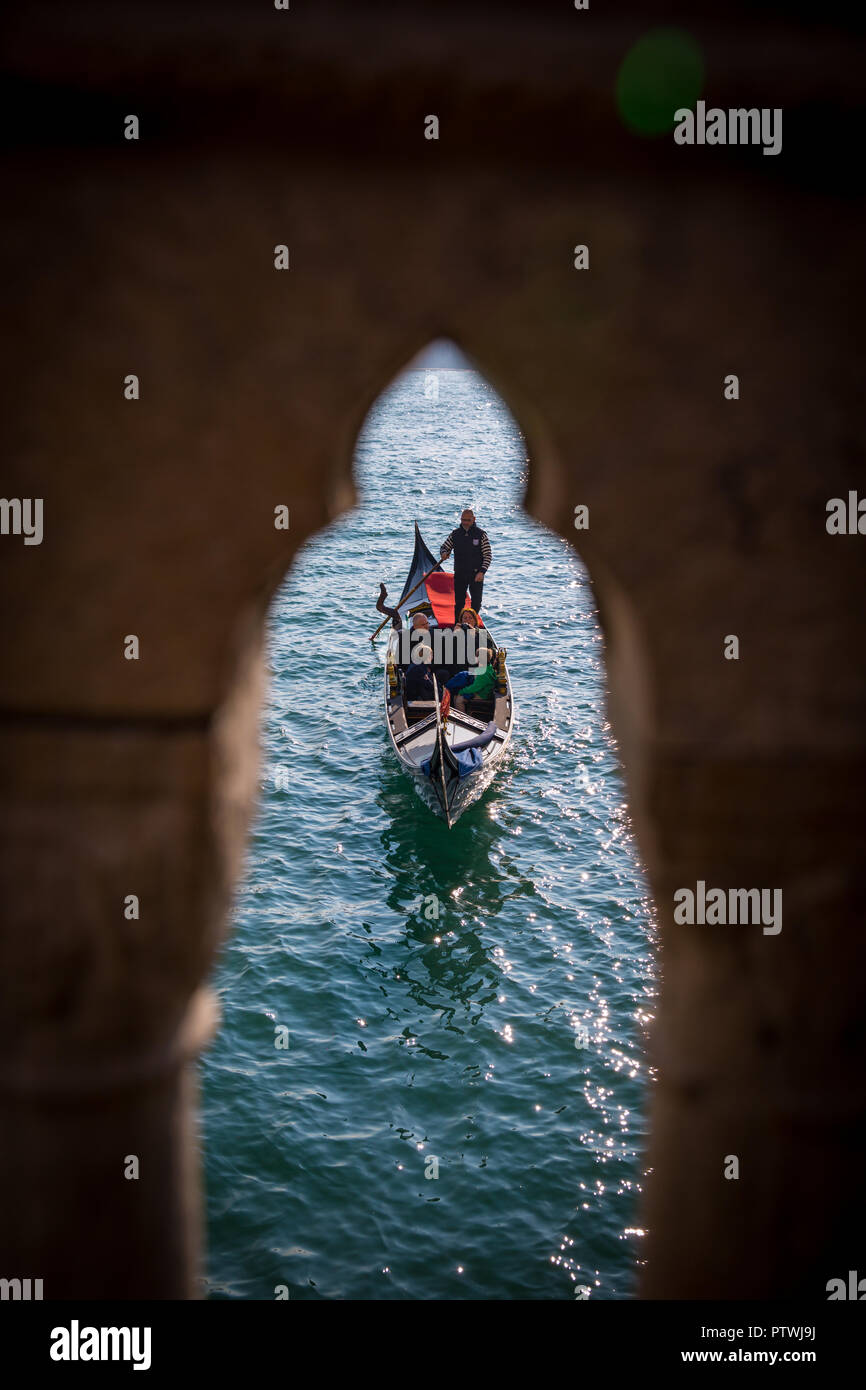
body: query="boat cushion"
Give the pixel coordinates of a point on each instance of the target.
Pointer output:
(480, 740)
(468, 760)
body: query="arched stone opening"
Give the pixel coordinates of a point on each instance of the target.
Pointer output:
(709, 515)
(489, 887)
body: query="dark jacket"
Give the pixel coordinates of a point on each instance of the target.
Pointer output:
(471, 550)
(418, 682)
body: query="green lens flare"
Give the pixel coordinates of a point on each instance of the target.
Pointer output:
(660, 73)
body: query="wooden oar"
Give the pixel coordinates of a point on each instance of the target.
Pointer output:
(409, 595)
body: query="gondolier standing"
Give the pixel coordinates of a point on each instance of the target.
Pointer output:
(472, 556)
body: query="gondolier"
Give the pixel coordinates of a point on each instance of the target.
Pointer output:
(451, 754)
(472, 556)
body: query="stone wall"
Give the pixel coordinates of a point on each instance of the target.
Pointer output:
(707, 518)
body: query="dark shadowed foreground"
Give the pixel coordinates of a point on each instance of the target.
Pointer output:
(707, 519)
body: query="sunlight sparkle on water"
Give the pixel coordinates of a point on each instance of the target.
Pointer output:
(544, 860)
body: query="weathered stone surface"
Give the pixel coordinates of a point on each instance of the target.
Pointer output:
(707, 518)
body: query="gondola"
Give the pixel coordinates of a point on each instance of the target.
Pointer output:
(454, 757)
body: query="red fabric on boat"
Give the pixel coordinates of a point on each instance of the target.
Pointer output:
(445, 705)
(440, 591)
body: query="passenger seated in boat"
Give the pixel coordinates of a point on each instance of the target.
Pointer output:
(467, 687)
(418, 682)
(470, 621)
(421, 623)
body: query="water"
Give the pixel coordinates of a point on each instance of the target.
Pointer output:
(414, 1036)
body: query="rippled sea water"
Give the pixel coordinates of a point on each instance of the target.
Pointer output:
(479, 997)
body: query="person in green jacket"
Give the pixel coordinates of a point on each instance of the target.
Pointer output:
(482, 687)
(463, 687)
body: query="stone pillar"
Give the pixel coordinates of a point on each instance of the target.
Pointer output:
(103, 1009)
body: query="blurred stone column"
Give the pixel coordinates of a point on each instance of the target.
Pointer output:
(103, 1014)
